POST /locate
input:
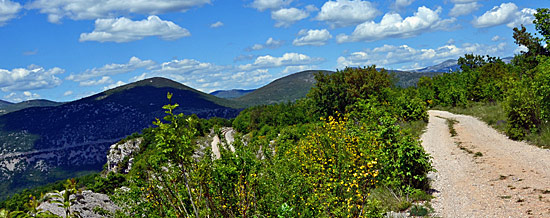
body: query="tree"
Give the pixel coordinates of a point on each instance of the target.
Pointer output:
(335, 92)
(542, 23)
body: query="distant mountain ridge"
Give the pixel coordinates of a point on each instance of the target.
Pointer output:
(44, 144)
(233, 93)
(11, 107)
(286, 89)
(450, 65)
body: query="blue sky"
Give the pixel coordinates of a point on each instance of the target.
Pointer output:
(64, 50)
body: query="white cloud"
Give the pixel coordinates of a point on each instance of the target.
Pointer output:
(138, 78)
(520, 49)
(400, 4)
(460, 9)
(67, 93)
(21, 96)
(112, 69)
(496, 38)
(216, 25)
(270, 43)
(288, 16)
(299, 68)
(126, 30)
(188, 66)
(312, 37)
(89, 10)
(262, 5)
(114, 85)
(103, 80)
(342, 13)
(8, 10)
(311, 8)
(463, 1)
(506, 13)
(288, 59)
(258, 76)
(244, 57)
(393, 25)
(392, 56)
(31, 78)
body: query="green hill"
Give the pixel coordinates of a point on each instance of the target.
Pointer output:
(8, 108)
(4, 103)
(288, 88)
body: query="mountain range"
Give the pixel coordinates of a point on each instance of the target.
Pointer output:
(43, 141)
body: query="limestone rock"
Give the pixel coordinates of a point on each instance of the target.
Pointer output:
(84, 204)
(120, 151)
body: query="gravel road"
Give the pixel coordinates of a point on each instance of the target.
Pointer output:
(505, 179)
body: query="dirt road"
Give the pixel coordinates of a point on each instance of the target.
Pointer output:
(482, 173)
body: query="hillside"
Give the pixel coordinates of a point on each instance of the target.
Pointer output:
(288, 88)
(27, 104)
(233, 93)
(4, 103)
(44, 144)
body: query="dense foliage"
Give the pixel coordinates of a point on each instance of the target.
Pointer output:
(294, 160)
(326, 155)
(521, 85)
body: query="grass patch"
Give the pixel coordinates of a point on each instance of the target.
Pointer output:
(415, 128)
(419, 210)
(491, 113)
(478, 154)
(494, 115)
(505, 196)
(451, 124)
(390, 200)
(541, 138)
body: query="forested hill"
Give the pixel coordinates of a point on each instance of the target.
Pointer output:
(44, 144)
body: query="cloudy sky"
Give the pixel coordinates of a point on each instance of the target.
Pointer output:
(64, 50)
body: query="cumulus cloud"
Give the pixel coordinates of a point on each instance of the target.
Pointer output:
(8, 11)
(31, 78)
(111, 69)
(262, 5)
(496, 38)
(393, 25)
(270, 43)
(288, 16)
(299, 68)
(288, 59)
(21, 96)
(89, 10)
(188, 66)
(312, 37)
(341, 13)
(460, 9)
(244, 57)
(103, 80)
(126, 30)
(68, 93)
(114, 85)
(391, 55)
(216, 25)
(400, 4)
(506, 13)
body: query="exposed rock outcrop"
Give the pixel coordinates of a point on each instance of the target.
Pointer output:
(88, 204)
(120, 157)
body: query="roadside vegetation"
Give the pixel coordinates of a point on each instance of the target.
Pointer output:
(514, 98)
(349, 149)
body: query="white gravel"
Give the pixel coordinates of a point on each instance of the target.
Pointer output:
(511, 179)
